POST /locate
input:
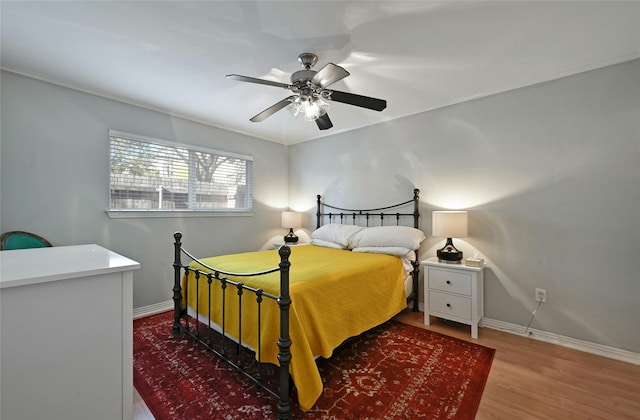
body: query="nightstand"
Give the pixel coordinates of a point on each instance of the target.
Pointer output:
(277, 245)
(453, 292)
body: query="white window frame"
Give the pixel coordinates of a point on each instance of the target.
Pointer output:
(190, 212)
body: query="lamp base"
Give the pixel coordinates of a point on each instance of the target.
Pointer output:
(449, 254)
(290, 238)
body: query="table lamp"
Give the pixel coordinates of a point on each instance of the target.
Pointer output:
(450, 224)
(291, 220)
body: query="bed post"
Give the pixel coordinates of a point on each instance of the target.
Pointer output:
(416, 208)
(318, 211)
(284, 342)
(177, 288)
(416, 263)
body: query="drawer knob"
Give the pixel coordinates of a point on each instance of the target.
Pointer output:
(448, 281)
(448, 305)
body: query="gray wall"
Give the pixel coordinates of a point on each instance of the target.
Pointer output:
(539, 169)
(54, 174)
(551, 177)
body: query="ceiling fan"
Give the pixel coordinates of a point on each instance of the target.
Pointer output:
(310, 92)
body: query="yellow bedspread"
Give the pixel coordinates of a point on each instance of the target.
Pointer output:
(336, 294)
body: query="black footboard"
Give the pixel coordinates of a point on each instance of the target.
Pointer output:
(184, 323)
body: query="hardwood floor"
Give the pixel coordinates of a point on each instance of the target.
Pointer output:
(531, 379)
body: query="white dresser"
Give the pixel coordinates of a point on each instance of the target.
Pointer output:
(454, 292)
(66, 333)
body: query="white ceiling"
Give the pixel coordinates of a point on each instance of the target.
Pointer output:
(418, 55)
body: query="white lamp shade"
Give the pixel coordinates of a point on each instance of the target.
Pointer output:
(450, 224)
(291, 219)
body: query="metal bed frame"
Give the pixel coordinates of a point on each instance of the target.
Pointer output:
(233, 354)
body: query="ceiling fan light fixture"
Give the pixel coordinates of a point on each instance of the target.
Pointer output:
(310, 93)
(311, 108)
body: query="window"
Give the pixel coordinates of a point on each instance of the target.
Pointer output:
(149, 174)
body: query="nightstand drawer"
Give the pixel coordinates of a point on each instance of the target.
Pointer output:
(450, 281)
(450, 305)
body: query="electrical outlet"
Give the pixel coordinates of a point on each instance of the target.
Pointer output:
(541, 295)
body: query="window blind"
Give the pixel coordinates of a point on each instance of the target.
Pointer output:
(151, 174)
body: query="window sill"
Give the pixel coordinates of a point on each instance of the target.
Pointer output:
(138, 214)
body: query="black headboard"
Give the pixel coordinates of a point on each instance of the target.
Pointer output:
(353, 216)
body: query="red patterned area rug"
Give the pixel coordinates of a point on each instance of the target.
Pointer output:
(392, 371)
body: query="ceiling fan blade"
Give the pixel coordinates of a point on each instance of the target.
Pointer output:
(258, 81)
(324, 123)
(328, 75)
(272, 109)
(357, 100)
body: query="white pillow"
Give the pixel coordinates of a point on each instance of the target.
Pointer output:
(389, 250)
(336, 233)
(327, 244)
(386, 236)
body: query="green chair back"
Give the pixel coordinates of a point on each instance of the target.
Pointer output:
(22, 240)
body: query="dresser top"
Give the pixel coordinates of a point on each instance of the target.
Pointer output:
(23, 267)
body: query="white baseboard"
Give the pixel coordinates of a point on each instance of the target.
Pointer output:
(588, 347)
(156, 308)
(585, 346)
